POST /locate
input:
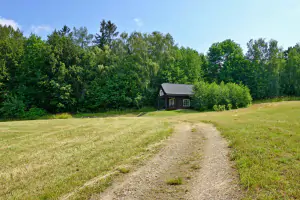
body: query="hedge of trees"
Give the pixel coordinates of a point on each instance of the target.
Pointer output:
(74, 71)
(211, 96)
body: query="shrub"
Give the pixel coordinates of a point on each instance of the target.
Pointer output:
(216, 108)
(219, 107)
(229, 106)
(12, 107)
(34, 113)
(215, 97)
(62, 116)
(222, 107)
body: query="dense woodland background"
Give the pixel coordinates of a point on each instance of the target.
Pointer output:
(74, 71)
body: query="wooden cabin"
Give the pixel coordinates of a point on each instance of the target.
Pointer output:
(175, 96)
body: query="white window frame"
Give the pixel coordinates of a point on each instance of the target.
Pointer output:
(186, 103)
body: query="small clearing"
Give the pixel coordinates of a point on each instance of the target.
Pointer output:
(195, 154)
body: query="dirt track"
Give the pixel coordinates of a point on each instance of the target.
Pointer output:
(197, 154)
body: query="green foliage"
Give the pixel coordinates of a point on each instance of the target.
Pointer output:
(12, 107)
(216, 108)
(290, 78)
(229, 106)
(34, 113)
(67, 73)
(215, 97)
(225, 62)
(219, 107)
(222, 107)
(62, 116)
(266, 66)
(81, 37)
(108, 31)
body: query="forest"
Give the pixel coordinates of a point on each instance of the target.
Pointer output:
(75, 71)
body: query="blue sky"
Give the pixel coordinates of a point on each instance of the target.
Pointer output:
(193, 23)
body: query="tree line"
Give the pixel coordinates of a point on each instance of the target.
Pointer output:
(74, 71)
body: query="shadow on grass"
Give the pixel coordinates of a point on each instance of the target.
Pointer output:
(116, 113)
(110, 113)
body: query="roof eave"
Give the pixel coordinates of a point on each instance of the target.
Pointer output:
(188, 95)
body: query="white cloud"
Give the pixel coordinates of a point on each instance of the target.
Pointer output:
(9, 22)
(138, 22)
(40, 28)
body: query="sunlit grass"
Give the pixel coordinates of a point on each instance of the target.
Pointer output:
(47, 159)
(265, 144)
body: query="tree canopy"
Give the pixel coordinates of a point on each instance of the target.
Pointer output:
(75, 71)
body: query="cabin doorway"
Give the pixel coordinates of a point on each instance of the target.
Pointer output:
(171, 102)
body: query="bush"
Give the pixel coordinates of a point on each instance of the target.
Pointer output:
(12, 107)
(229, 106)
(219, 107)
(62, 116)
(215, 97)
(216, 108)
(34, 113)
(222, 107)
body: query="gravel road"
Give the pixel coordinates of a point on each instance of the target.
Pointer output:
(195, 153)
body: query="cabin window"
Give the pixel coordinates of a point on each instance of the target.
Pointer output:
(171, 102)
(186, 103)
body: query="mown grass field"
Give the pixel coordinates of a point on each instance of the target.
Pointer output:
(265, 144)
(47, 159)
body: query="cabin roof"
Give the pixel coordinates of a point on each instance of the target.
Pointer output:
(177, 89)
